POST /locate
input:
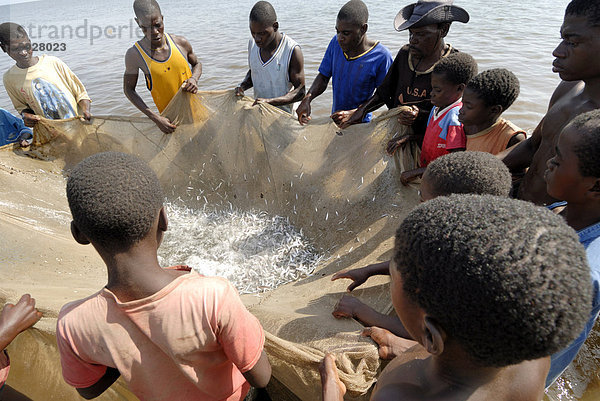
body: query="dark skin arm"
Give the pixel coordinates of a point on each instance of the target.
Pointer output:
(130, 78)
(406, 117)
(332, 388)
(520, 156)
(101, 385)
(296, 73)
(348, 306)
(410, 175)
(29, 117)
(245, 85)
(359, 114)
(390, 346)
(190, 84)
(394, 144)
(260, 374)
(360, 275)
(17, 318)
(318, 87)
(86, 106)
(516, 139)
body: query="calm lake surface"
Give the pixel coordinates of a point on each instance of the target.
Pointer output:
(517, 35)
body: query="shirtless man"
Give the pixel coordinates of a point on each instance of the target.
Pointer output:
(163, 58)
(577, 61)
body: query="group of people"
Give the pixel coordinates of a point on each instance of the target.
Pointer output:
(493, 296)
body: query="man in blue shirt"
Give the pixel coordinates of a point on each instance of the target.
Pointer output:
(12, 129)
(356, 64)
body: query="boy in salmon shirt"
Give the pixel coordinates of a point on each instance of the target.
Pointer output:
(172, 334)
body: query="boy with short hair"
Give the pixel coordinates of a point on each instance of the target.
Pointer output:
(454, 173)
(486, 97)
(577, 62)
(172, 335)
(275, 60)
(489, 289)
(40, 85)
(444, 133)
(164, 59)
(356, 65)
(573, 176)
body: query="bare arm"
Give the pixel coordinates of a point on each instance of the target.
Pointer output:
(132, 66)
(29, 117)
(86, 106)
(260, 374)
(191, 84)
(17, 318)
(245, 85)
(370, 105)
(332, 388)
(349, 306)
(318, 86)
(296, 73)
(411, 175)
(360, 275)
(95, 390)
(373, 103)
(517, 138)
(520, 156)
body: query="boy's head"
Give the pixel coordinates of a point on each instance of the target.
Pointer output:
(263, 24)
(150, 20)
(577, 57)
(449, 77)
(466, 173)
(15, 42)
(115, 200)
(499, 279)
(487, 96)
(351, 25)
(573, 174)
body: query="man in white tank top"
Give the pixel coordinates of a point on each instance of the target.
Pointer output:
(275, 60)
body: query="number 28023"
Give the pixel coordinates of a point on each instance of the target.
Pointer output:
(49, 47)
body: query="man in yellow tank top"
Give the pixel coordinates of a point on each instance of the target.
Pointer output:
(163, 58)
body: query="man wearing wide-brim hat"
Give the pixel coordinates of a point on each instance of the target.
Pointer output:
(408, 81)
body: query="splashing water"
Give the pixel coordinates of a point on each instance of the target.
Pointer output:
(254, 250)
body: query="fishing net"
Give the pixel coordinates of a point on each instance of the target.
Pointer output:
(228, 158)
(337, 187)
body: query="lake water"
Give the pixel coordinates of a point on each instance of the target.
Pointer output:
(518, 35)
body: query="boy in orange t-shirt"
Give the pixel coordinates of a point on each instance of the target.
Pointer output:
(172, 335)
(486, 97)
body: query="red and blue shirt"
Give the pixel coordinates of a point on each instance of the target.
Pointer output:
(444, 133)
